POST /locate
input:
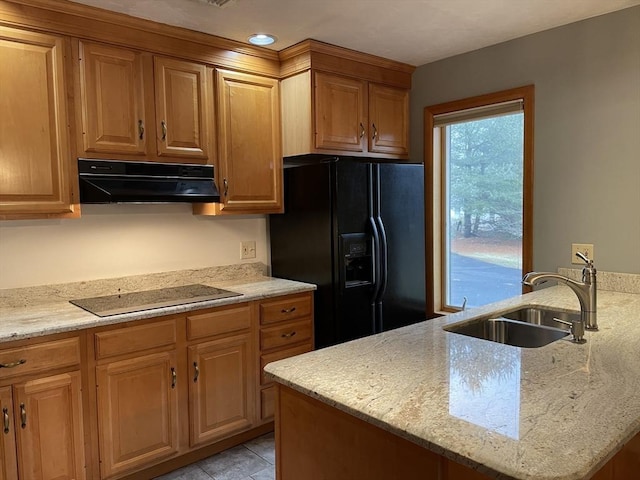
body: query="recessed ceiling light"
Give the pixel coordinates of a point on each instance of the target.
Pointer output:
(262, 39)
(217, 3)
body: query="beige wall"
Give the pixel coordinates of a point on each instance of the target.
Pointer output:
(587, 130)
(120, 240)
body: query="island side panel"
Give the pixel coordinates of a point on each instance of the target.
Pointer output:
(317, 442)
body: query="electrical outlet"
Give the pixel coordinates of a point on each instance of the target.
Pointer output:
(247, 250)
(585, 248)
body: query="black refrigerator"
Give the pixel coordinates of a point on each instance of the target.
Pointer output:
(356, 230)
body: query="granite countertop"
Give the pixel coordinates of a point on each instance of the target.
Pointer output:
(556, 412)
(43, 310)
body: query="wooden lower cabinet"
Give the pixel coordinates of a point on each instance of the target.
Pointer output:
(167, 391)
(220, 398)
(286, 330)
(43, 436)
(137, 412)
(9, 462)
(315, 441)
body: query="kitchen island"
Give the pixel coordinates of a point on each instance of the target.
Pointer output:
(420, 402)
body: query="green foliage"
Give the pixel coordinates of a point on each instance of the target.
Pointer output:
(485, 175)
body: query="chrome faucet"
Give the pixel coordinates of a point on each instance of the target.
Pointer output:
(585, 291)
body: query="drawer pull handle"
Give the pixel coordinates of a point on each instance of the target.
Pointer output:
(13, 364)
(140, 129)
(174, 377)
(288, 310)
(196, 372)
(5, 414)
(375, 132)
(361, 130)
(288, 335)
(163, 124)
(23, 416)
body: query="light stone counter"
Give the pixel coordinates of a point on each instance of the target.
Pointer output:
(556, 412)
(44, 310)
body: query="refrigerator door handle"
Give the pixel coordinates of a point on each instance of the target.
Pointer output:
(376, 260)
(383, 259)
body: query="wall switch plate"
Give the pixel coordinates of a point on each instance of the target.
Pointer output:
(585, 248)
(247, 250)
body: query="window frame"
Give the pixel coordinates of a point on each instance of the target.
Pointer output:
(435, 178)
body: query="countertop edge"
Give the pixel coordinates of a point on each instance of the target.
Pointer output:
(65, 317)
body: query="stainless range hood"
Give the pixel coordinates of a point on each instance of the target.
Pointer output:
(113, 181)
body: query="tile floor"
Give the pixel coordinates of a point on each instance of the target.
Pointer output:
(254, 460)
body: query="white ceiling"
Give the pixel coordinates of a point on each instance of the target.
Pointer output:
(411, 31)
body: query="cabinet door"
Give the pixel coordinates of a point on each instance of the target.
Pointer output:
(51, 439)
(112, 96)
(181, 108)
(249, 136)
(8, 463)
(221, 388)
(388, 120)
(137, 412)
(34, 141)
(340, 117)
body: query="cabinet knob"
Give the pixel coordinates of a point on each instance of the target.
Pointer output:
(163, 125)
(13, 364)
(5, 415)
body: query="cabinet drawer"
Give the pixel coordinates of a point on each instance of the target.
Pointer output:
(285, 309)
(219, 320)
(39, 357)
(285, 334)
(135, 339)
(279, 355)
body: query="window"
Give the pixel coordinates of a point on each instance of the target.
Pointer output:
(478, 156)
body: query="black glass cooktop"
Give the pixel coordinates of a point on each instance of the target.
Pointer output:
(149, 299)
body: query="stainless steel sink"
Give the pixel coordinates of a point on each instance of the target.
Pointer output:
(528, 327)
(542, 316)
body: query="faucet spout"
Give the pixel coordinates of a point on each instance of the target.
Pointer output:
(585, 290)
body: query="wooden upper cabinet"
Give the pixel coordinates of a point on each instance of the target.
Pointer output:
(112, 96)
(37, 176)
(250, 159)
(347, 116)
(337, 101)
(388, 120)
(136, 106)
(182, 103)
(340, 114)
